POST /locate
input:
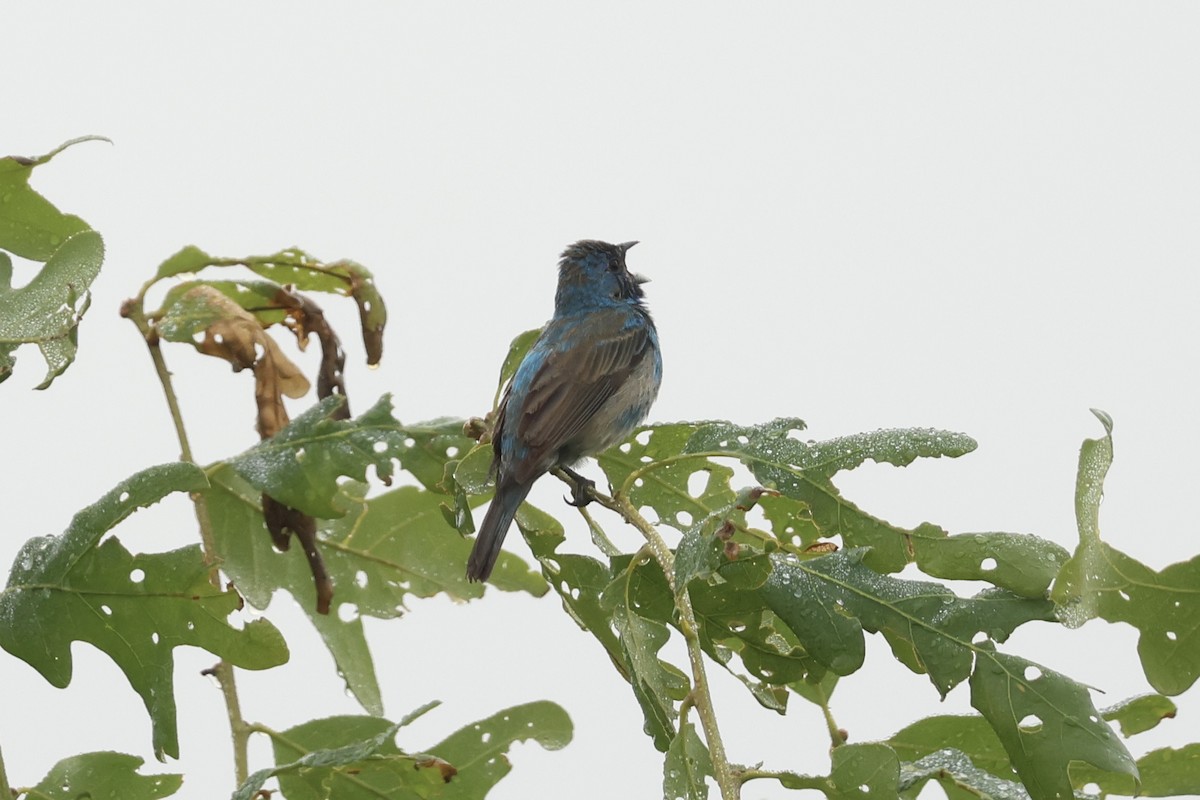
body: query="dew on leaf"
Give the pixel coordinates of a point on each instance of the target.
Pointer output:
(380, 446)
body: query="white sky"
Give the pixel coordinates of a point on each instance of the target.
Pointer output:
(980, 218)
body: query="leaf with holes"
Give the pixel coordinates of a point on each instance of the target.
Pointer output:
(1045, 721)
(648, 470)
(579, 580)
(657, 684)
(479, 750)
(182, 319)
(864, 772)
(686, 766)
(297, 268)
(355, 756)
(384, 550)
(103, 776)
(828, 601)
(1167, 772)
(1102, 581)
(803, 471)
(302, 464)
(134, 608)
(47, 310)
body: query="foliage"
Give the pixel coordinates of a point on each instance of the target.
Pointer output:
(777, 582)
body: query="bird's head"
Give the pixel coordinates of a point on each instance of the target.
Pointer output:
(592, 272)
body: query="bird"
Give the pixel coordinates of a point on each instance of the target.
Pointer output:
(585, 384)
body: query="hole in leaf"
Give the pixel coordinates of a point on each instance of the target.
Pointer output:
(1032, 673)
(979, 638)
(379, 446)
(1171, 635)
(1124, 595)
(410, 442)
(697, 481)
(124, 498)
(106, 611)
(154, 638)
(137, 575)
(684, 518)
(347, 612)
(1030, 723)
(643, 438)
(988, 564)
(743, 440)
(625, 448)
(451, 452)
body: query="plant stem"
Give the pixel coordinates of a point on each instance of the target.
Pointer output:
(727, 779)
(5, 792)
(789, 780)
(223, 671)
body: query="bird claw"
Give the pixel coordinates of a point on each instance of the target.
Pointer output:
(581, 492)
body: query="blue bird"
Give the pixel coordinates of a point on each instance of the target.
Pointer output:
(586, 383)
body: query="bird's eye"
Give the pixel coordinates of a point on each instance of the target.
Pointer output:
(614, 266)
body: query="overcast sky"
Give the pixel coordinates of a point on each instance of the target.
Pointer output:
(974, 217)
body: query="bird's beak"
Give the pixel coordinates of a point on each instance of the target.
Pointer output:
(624, 246)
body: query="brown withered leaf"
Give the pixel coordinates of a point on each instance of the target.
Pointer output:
(305, 317)
(237, 337)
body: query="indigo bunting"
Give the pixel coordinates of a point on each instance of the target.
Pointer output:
(588, 380)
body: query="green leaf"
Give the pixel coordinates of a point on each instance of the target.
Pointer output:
(347, 278)
(1102, 581)
(479, 750)
(579, 580)
(355, 756)
(1168, 772)
(802, 471)
(864, 772)
(686, 766)
(384, 550)
(971, 735)
(104, 776)
(300, 466)
(1045, 721)
(1021, 563)
(664, 484)
(136, 609)
(827, 601)
(958, 777)
(30, 226)
(1140, 714)
(47, 310)
(189, 259)
(657, 684)
(517, 350)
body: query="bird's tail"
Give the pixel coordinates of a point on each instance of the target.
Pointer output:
(495, 526)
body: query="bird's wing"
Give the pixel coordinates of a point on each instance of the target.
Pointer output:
(573, 384)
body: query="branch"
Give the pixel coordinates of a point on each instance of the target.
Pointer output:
(223, 672)
(700, 695)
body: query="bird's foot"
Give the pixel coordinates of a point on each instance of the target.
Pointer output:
(581, 492)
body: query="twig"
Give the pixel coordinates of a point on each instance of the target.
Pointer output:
(789, 780)
(727, 780)
(223, 671)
